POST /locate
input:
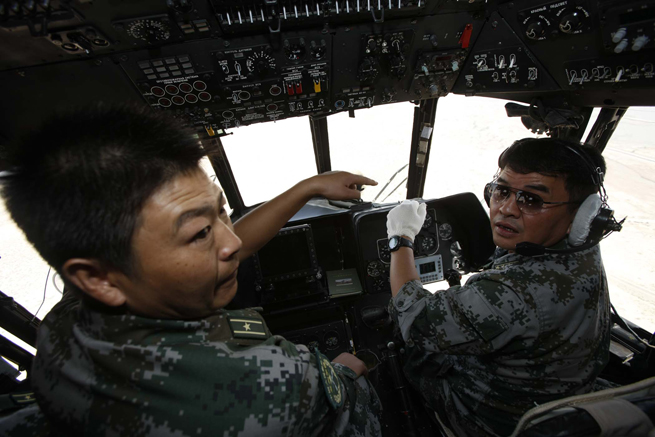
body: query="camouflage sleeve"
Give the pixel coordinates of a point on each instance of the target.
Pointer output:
(362, 409)
(341, 405)
(477, 318)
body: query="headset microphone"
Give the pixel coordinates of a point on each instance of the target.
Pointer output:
(597, 228)
(532, 249)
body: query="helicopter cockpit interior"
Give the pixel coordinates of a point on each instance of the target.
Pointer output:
(223, 65)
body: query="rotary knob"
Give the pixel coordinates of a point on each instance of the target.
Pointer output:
(570, 22)
(261, 68)
(397, 66)
(371, 46)
(535, 30)
(368, 69)
(317, 50)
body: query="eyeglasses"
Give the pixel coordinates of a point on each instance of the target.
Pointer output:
(528, 203)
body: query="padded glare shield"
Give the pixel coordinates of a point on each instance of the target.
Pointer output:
(583, 220)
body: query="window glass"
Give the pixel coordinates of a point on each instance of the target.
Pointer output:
(24, 275)
(376, 143)
(207, 167)
(628, 255)
(469, 134)
(268, 158)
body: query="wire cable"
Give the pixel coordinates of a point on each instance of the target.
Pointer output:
(54, 282)
(625, 325)
(45, 287)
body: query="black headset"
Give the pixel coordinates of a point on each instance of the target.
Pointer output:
(593, 221)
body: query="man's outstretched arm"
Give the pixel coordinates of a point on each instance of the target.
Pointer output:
(260, 225)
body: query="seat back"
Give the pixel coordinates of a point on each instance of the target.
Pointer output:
(623, 411)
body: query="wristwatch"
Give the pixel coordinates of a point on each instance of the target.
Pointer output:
(396, 242)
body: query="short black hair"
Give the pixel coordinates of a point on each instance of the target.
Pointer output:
(76, 186)
(554, 157)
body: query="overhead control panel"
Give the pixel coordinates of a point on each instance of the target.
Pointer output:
(628, 26)
(225, 63)
(551, 20)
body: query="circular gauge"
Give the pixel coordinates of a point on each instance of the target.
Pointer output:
(458, 264)
(456, 249)
(374, 269)
(445, 231)
(149, 30)
(313, 345)
(331, 340)
(294, 51)
(429, 221)
(428, 244)
(380, 283)
(260, 64)
(383, 250)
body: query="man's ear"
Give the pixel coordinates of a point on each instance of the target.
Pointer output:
(94, 279)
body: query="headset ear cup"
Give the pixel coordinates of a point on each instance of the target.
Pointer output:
(487, 194)
(583, 220)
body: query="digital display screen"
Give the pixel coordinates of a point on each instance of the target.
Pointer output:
(427, 268)
(285, 254)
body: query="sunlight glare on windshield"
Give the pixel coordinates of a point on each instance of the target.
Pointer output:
(376, 143)
(269, 158)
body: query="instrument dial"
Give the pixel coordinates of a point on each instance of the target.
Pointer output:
(374, 269)
(428, 244)
(445, 231)
(456, 249)
(383, 250)
(295, 51)
(149, 30)
(380, 283)
(429, 221)
(368, 69)
(331, 340)
(313, 345)
(260, 64)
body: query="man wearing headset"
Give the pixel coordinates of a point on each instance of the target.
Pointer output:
(530, 328)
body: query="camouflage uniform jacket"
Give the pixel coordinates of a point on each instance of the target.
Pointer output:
(526, 331)
(107, 373)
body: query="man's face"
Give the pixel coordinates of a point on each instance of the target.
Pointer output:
(185, 252)
(510, 225)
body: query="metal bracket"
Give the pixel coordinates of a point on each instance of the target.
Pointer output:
(376, 19)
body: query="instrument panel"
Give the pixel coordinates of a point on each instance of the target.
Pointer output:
(323, 281)
(224, 64)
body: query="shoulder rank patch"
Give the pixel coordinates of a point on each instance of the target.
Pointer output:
(247, 327)
(331, 381)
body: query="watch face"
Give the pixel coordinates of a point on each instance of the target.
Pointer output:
(393, 242)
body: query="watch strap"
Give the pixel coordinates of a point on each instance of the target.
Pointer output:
(402, 242)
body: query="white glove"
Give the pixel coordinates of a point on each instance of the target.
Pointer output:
(406, 219)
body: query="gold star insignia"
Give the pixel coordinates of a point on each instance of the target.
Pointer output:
(246, 326)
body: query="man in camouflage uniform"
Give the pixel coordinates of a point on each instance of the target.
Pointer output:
(528, 329)
(142, 346)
